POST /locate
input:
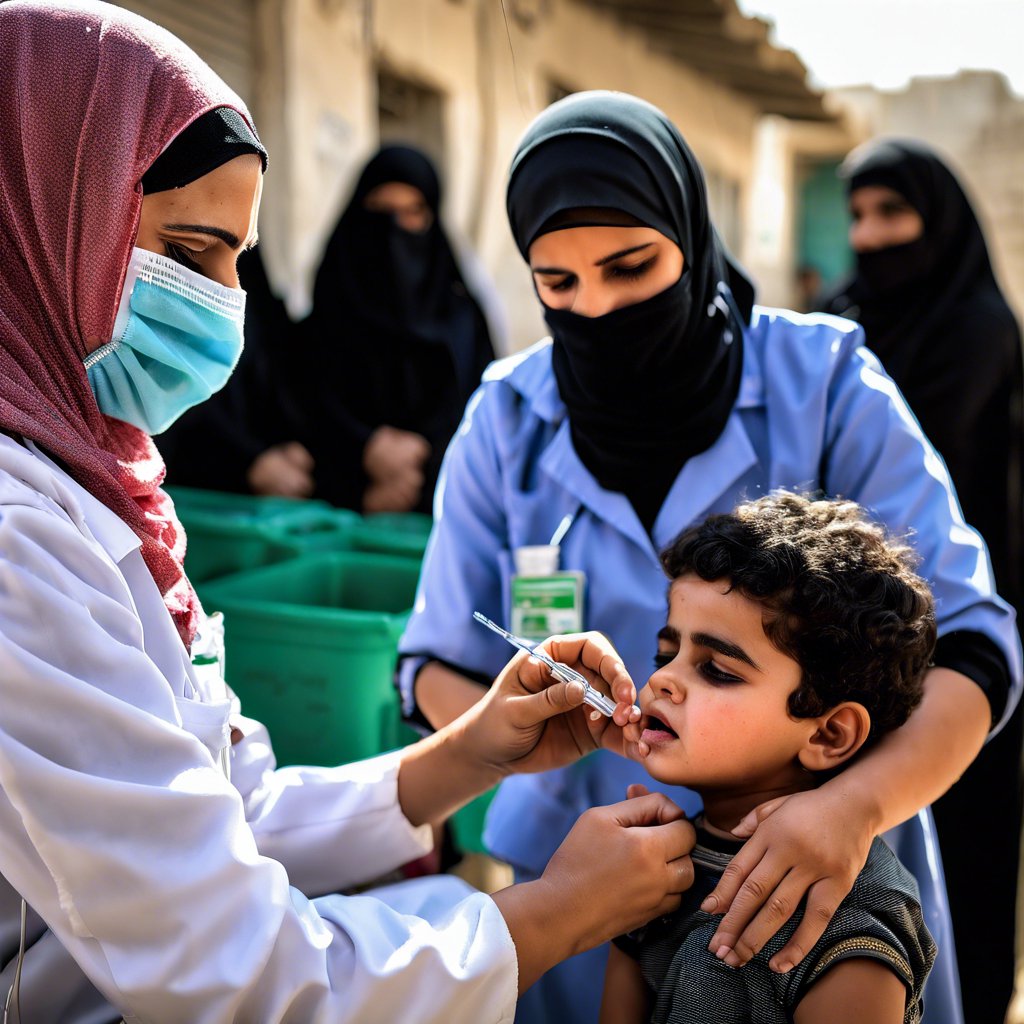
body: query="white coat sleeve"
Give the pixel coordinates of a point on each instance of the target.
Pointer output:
(331, 827)
(120, 831)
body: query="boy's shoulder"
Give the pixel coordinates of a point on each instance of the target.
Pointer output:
(880, 919)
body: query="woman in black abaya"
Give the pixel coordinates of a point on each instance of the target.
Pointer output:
(394, 346)
(932, 310)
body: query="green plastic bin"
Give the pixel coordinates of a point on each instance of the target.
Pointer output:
(198, 499)
(311, 646)
(328, 529)
(232, 532)
(393, 533)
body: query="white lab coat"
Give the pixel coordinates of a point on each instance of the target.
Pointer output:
(154, 883)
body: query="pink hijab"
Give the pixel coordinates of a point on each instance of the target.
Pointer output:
(89, 96)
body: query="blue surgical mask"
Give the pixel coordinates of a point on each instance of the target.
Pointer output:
(177, 337)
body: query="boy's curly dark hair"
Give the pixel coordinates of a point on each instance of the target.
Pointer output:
(842, 599)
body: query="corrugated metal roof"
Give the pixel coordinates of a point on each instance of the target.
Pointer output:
(716, 39)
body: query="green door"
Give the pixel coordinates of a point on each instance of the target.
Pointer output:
(823, 223)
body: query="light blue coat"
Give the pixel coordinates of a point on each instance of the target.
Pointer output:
(815, 411)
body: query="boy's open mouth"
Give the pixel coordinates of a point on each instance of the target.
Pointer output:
(656, 725)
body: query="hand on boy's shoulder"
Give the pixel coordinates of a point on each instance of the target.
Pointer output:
(876, 945)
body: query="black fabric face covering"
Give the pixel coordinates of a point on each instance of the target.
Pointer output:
(649, 385)
(886, 271)
(903, 295)
(614, 356)
(620, 420)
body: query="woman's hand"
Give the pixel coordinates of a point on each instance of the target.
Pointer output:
(618, 868)
(285, 470)
(814, 844)
(391, 453)
(527, 722)
(530, 722)
(393, 460)
(401, 494)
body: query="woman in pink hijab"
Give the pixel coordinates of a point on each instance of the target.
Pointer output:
(153, 863)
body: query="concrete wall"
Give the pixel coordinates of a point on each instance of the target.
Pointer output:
(316, 105)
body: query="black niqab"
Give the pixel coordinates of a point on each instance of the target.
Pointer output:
(394, 337)
(650, 385)
(934, 314)
(903, 293)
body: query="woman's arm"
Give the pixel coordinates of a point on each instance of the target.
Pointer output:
(626, 999)
(857, 991)
(442, 694)
(874, 452)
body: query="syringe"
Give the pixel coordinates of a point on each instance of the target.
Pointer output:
(563, 673)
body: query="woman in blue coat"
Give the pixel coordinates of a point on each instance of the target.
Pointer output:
(662, 396)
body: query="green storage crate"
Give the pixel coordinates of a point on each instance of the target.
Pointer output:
(311, 645)
(393, 533)
(248, 506)
(231, 532)
(328, 529)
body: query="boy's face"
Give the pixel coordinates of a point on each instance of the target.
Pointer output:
(715, 711)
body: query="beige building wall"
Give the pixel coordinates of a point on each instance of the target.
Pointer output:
(783, 147)
(316, 103)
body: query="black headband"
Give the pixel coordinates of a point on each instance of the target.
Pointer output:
(213, 139)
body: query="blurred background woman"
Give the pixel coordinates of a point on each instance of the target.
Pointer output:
(932, 310)
(393, 347)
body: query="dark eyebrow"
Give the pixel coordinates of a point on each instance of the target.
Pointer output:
(600, 263)
(622, 252)
(723, 647)
(669, 633)
(207, 229)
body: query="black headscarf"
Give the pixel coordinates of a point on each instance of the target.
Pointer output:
(210, 140)
(904, 292)
(649, 385)
(394, 337)
(933, 312)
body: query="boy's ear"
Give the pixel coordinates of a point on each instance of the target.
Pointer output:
(840, 734)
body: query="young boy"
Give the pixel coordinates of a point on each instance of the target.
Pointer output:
(797, 635)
